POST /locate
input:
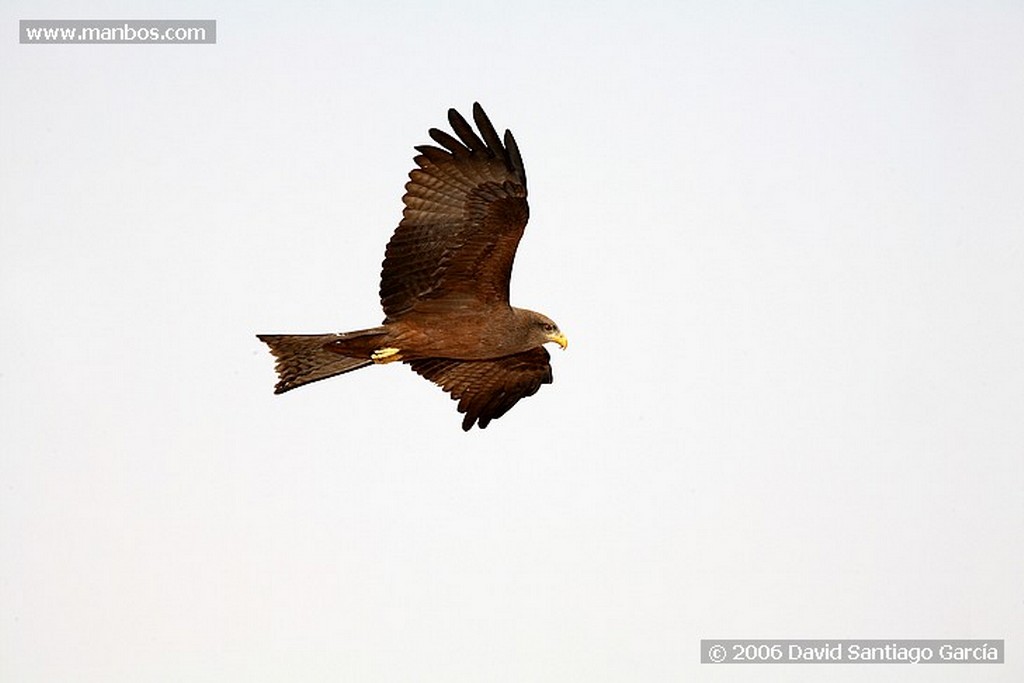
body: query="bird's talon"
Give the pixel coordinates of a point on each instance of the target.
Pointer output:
(385, 355)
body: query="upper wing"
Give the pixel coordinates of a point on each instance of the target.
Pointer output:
(487, 389)
(465, 211)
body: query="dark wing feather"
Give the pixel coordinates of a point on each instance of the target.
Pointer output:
(487, 389)
(465, 212)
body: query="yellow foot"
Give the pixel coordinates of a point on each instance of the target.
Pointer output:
(385, 355)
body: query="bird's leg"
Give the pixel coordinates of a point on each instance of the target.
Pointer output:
(386, 355)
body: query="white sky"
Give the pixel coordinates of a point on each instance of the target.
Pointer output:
(786, 242)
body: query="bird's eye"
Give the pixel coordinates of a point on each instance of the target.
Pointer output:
(548, 327)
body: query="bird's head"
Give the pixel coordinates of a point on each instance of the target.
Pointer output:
(543, 329)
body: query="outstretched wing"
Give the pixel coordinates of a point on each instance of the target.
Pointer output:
(487, 389)
(465, 211)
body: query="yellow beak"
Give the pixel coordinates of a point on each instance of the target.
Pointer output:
(560, 340)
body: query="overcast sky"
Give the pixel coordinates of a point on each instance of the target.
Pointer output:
(785, 240)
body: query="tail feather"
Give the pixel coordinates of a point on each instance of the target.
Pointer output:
(302, 358)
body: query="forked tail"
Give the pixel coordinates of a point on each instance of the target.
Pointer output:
(302, 358)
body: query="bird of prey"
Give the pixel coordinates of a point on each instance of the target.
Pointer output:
(444, 284)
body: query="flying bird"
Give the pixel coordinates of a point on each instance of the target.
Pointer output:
(444, 284)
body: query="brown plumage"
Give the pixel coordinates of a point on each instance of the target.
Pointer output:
(445, 284)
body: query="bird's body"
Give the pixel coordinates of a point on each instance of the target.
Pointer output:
(445, 284)
(484, 332)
